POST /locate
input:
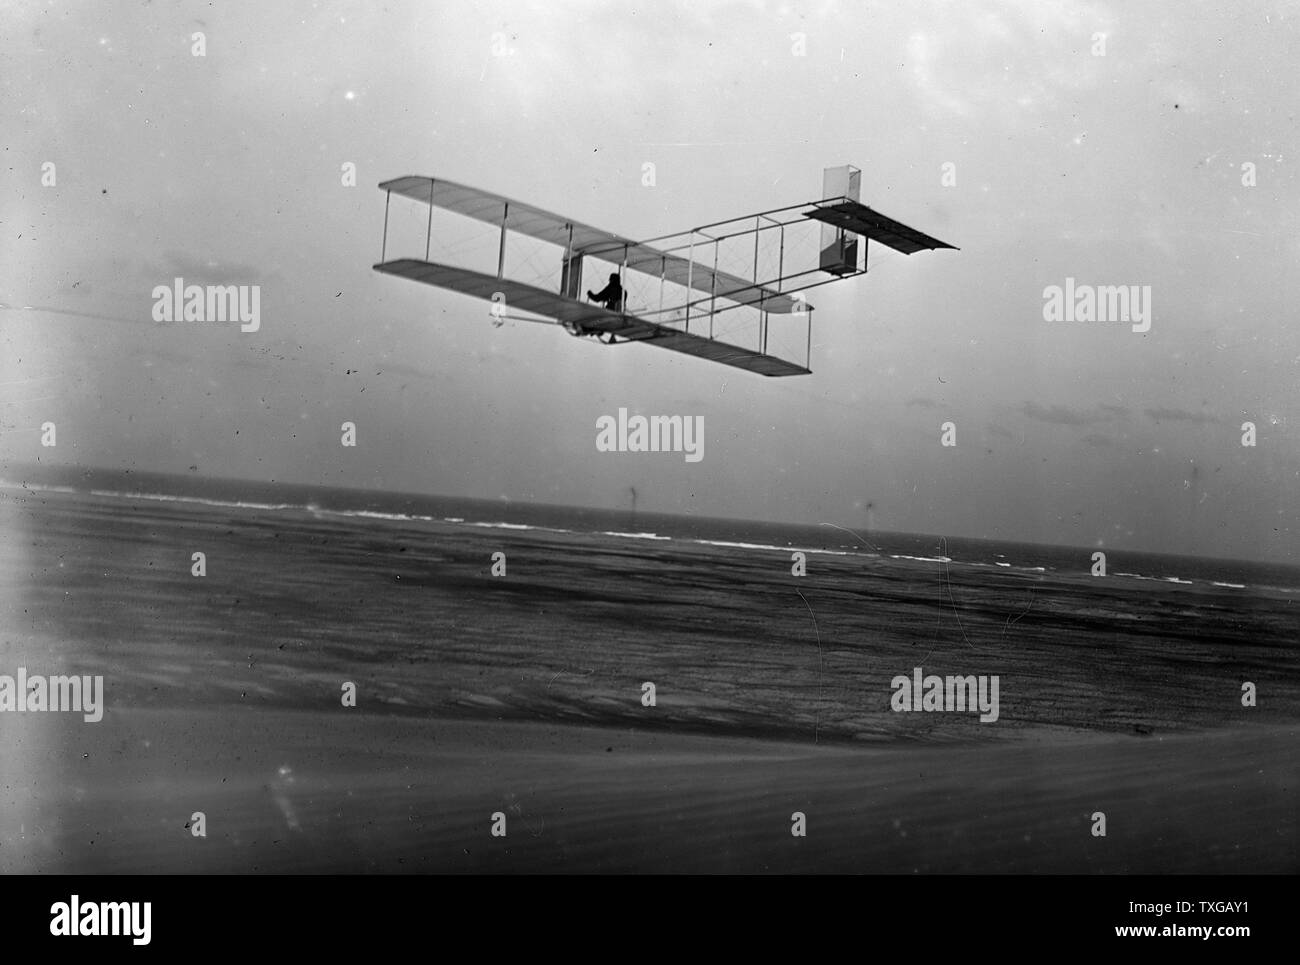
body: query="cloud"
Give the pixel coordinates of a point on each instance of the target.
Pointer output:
(149, 357)
(1181, 415)
(1060, 415)
(1044, 50)
(73, 313)
(206, 271)
(390, 368)
(927, 403)
(922, 53)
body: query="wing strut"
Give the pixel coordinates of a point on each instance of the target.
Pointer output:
(501, 251)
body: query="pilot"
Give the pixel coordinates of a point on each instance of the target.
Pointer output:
(611, 296)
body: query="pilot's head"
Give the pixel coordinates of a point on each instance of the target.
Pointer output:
(614, 276)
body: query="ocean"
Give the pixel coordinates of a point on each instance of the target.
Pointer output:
(827, 538)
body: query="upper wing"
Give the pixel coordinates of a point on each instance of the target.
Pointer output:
(702, 278)
(555, 229)
(861, 220)
(485, 206)
(593, 317)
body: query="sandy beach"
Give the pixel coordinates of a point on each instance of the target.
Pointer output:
(304, 792)
(522, 695)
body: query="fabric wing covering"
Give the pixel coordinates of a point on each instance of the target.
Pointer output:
(586, 240)
(593, 317)
(861, 220)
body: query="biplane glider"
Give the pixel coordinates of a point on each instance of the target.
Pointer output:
(707, 292)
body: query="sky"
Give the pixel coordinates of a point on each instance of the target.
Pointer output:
(1115, 144)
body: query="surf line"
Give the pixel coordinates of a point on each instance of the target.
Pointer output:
(935, 693)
